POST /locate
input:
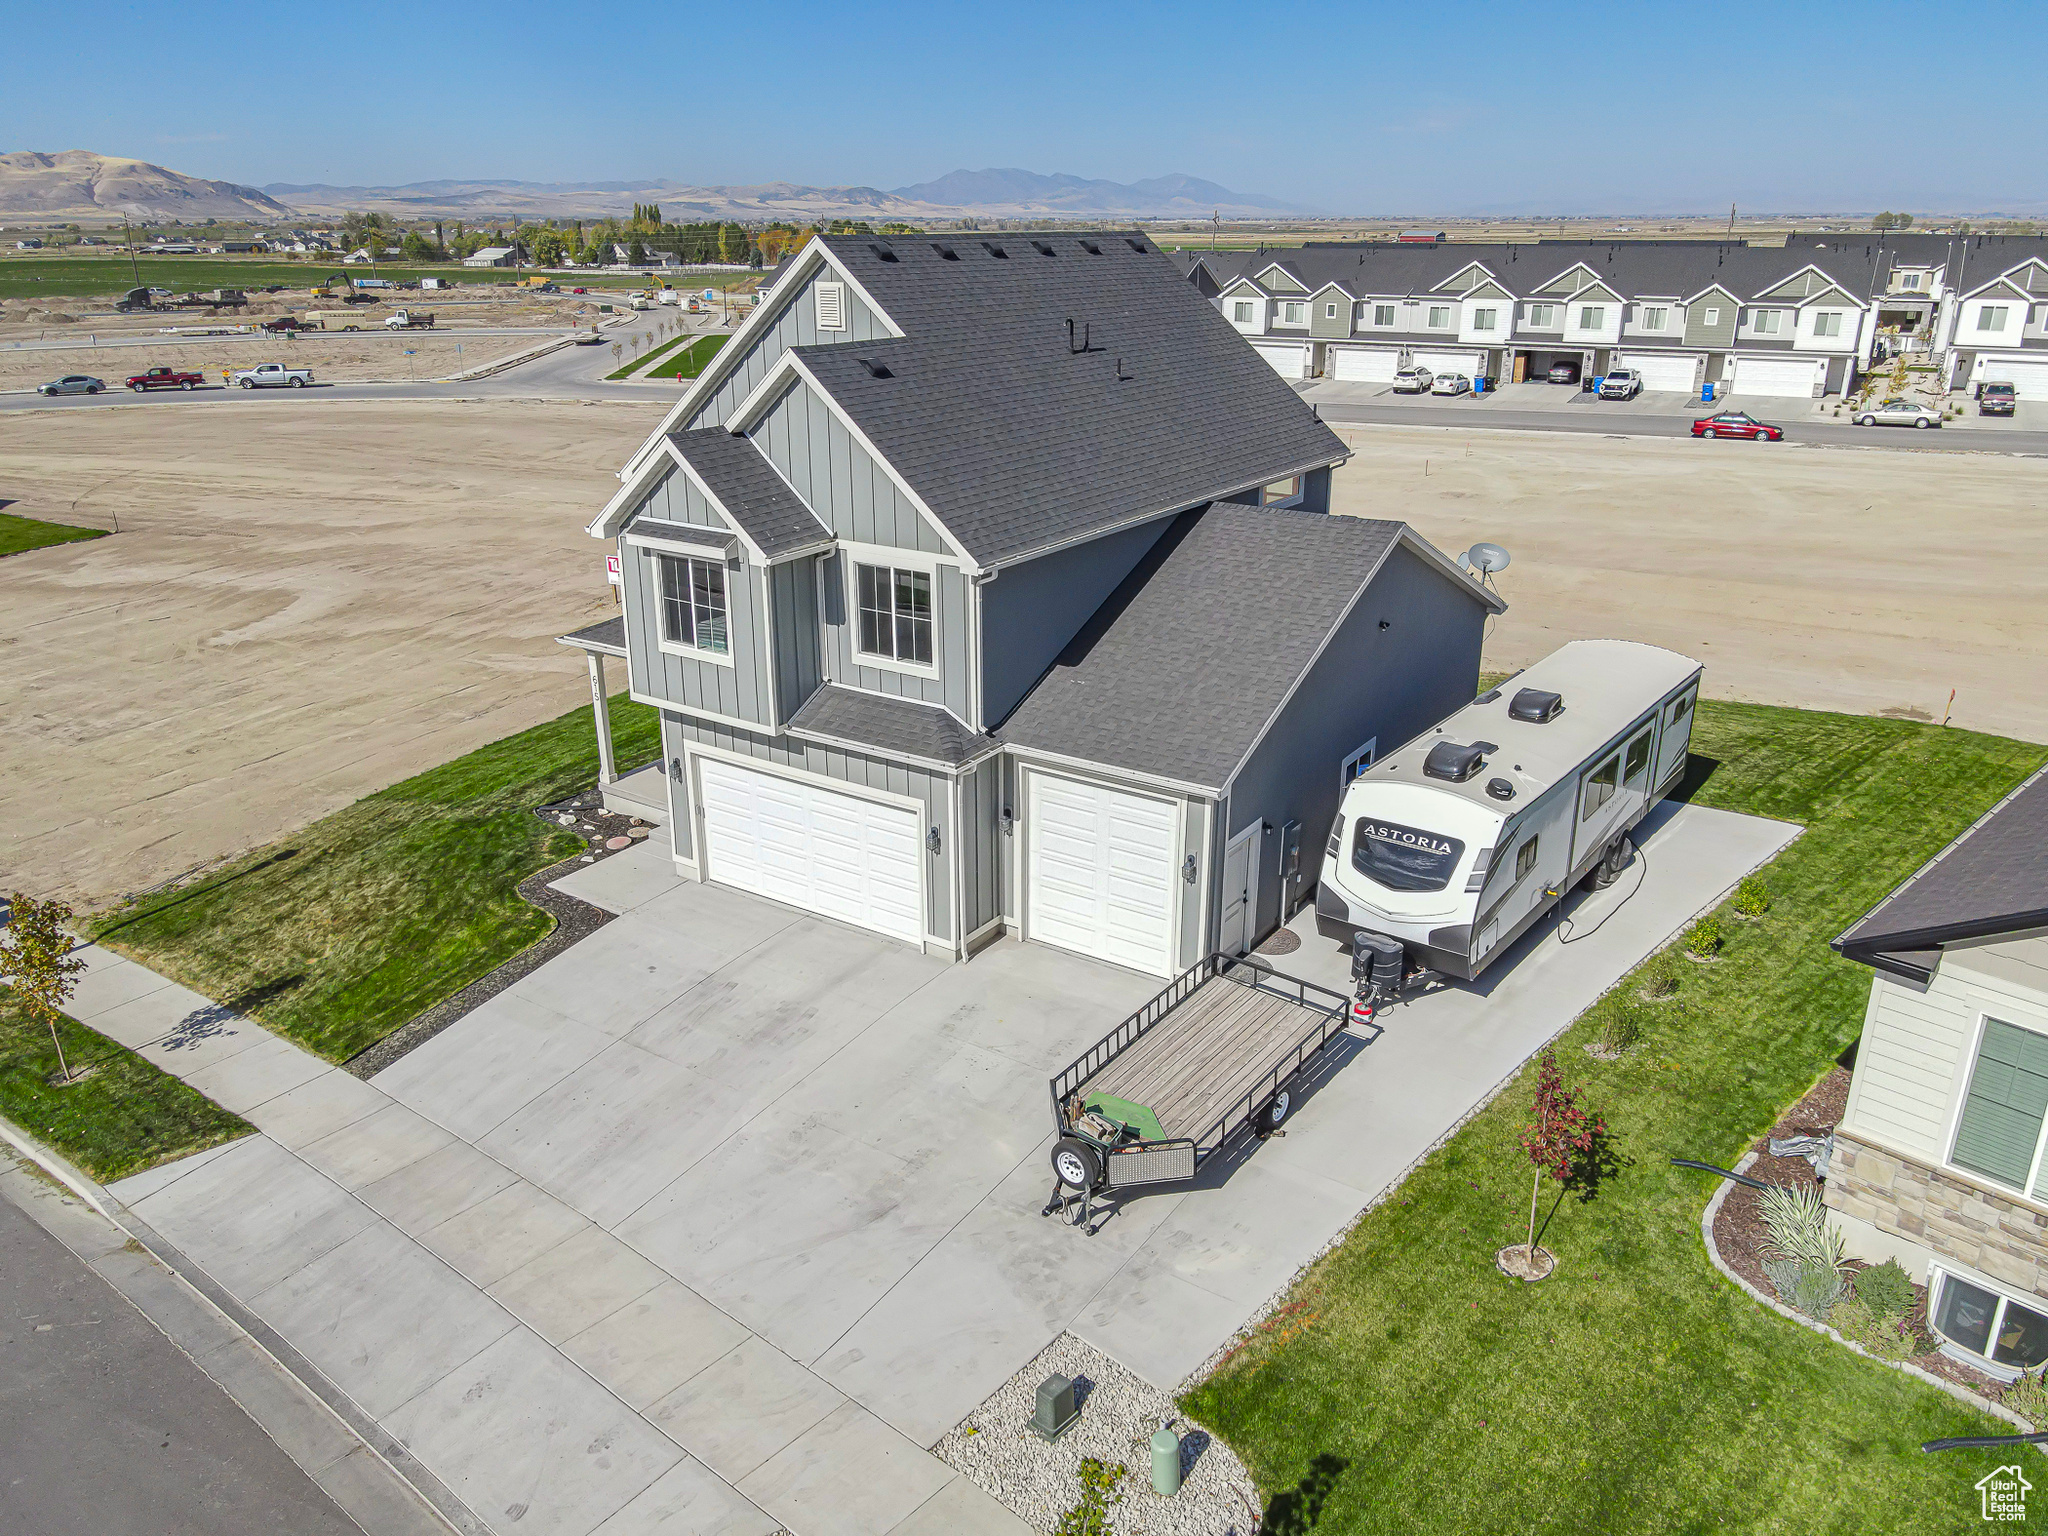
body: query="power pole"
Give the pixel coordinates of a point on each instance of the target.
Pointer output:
(1731, 221)
(1215, 223)
(128, 230)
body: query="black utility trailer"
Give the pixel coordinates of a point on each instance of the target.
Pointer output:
(1214, 1053)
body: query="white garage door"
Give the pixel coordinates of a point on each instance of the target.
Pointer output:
(1466, 363)
(1368, 366)
(1102, 872)
(1777, 376)
(815, 848)
(2029, 381)
(1289, 359)
(1662, 371)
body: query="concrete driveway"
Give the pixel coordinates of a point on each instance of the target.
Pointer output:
(722, 1216)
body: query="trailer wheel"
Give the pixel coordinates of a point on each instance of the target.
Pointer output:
(1275, 1111)
(1076, 1164)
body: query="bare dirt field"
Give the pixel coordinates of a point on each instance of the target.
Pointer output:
(280, 627)
(1870, 581)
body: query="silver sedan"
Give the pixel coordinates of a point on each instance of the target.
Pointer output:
(1899, 413)
(72, 384)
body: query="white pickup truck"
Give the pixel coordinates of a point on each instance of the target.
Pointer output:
(408, 320)
(267, 375)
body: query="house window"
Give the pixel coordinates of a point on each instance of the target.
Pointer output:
(1525, 858)
(1329, 311)
(1543, 314)
(831, 306)
(1828, 324)
(1991, 317)
(1383, 314)
(1654, 318)
(1765, 322)
(693, 604)
(895, 613)
(1592, 317)
(1244, 314)
(1999, 1130)
(1482, 319)
(1291, 314)
(1439, 316)
(1280, 490)
(1712, 315)
(1599, 787)
(1986, 1323)
(1912, 279)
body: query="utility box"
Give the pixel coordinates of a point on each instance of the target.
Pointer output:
(1056, 1410)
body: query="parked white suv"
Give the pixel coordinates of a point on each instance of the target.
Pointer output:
(1621, 384)
(1413, 381)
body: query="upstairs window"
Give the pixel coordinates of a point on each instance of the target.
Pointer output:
(1828, 324)
(1711, 315)
(1439, 317)
(831, 306)
(1654, 317)
(1483, 319)
(1766, 322)
(895, 613)
(1592, 316)
(1542, 315)
(1991, 317)
(1998, 1134)
(1292, 314)
(1383, 314)
(1243, 312)
(1329, 311)
(693, 604)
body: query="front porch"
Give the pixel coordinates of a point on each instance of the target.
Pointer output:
(641, 791)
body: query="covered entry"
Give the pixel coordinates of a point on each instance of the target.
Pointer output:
(1102, 870)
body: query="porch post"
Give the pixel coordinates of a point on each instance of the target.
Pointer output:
(607, 771)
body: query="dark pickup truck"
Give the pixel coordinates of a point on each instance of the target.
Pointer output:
(165, 378)
(1996, 400)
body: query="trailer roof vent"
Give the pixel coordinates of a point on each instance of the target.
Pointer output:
(1500, 789)
(1535, 706)
(1452, 762)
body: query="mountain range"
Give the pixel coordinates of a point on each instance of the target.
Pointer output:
(77, 184)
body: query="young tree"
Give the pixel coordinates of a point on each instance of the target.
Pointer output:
(636, 253)
(1561, 1134)
(547, 248)
(37, 963)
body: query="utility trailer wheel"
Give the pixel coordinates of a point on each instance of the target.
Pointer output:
(1275, 1111)
(1076, 1164)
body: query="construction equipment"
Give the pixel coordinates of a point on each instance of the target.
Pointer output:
(340, 285)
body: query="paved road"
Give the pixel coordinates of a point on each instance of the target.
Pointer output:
(90, 339)
(107, 1427)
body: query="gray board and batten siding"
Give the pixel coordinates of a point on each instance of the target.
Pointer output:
(740, 690)
(796, 326)
(837, 478)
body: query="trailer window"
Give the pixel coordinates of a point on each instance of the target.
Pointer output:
(1600, 787)
(1403, 858)
(1638, 758)
(1525, 858)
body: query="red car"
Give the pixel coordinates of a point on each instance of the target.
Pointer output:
(165, 378)
(1738, 424)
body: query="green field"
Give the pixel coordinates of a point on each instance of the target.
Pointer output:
(124, 1117)
(1407, 1386)
(342, 932)
(647, 359)
(28, 277)
(23, 533)
(697, 358)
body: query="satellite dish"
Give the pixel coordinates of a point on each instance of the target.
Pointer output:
(1484, 558)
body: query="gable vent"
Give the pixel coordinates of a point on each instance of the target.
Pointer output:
(996, 251)
(881, 251)
(1091, 247)
(946, 253)
(876, 369)
(1042, 248)
(831, 306)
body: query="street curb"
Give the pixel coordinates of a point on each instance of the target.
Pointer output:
(394, 1457)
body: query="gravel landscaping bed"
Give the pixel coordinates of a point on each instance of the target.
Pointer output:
(996, 1447)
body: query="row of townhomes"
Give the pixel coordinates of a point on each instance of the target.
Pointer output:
(1802, 320)
(987, 586)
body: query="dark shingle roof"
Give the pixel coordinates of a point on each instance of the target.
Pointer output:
(1181, 669)
(747, 486)
(901, 728)
(606, 635)
(1019, 443)
(1991, 880)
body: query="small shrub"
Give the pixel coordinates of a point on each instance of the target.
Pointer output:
(2028, 1397)
(1752, 898)
(1660, 981)
(1885, 1288)
(1621, 1029)
(1800, 1229)
(1099, 1491)
(1812, 1291)
(1888, 1337)
(1703, 939)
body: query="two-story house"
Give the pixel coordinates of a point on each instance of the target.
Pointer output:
(986, 585)
(1939, 1158)
(1996, 329)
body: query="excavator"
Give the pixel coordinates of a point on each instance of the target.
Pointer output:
(339, 285)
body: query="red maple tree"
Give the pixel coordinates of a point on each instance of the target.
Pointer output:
(1560, 1135)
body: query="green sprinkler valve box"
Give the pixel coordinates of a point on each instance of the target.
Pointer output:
(1165, 1462)
(1056, 1410)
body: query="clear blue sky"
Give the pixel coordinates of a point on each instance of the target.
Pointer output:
(1358, 108)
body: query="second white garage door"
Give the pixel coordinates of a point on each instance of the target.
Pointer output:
(1466, 363)
(1289, 359)
(1660, 371)
(1102, 872)
(2029, 381)
(1776, 376)
(1366, 365)
(797, 842)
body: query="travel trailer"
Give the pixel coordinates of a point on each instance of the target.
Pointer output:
(1446, 851)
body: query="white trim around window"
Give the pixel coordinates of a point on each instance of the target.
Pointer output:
(681, 585)
(2020, 1338)
(852, 557)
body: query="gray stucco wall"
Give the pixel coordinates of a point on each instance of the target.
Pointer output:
(837, 478)
(795, 325)
(1030, 611)
(739, 690)
(1391, 683)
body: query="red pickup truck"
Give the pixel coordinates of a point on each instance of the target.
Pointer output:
(165, 378)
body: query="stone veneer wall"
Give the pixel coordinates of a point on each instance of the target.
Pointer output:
(1978, 1228)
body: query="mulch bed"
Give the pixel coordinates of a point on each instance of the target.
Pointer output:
(1742, 1237)
(574, 920)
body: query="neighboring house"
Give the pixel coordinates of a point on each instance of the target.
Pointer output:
(1938, 1159)
(490, 256)
(985, 585)
(1996, 330)
(1759, 322)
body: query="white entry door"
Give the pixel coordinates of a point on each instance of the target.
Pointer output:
(795, 841)
(1102, 871)
(1239, 906)
(1797, 378)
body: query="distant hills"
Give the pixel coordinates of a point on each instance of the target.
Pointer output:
(1027, 192)
(77, 184)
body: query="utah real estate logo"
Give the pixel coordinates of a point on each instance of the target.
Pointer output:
(2004, 1492)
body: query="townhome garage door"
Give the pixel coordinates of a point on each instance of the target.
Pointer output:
(1364, 365)
(797, 842)
(1102, 871)
(1797, 377)
(1466, 363)
(1661, 371)
(1289, 358)
(2029, 381)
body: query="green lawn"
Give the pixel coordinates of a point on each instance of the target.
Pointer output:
(1410, 1387)
(343, 932)
(697, 357)
(29, 277)
(18, 534)
(647, 359)
(125, 1117)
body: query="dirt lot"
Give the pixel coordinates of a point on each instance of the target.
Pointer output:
(1864, 580)
(273, 634)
